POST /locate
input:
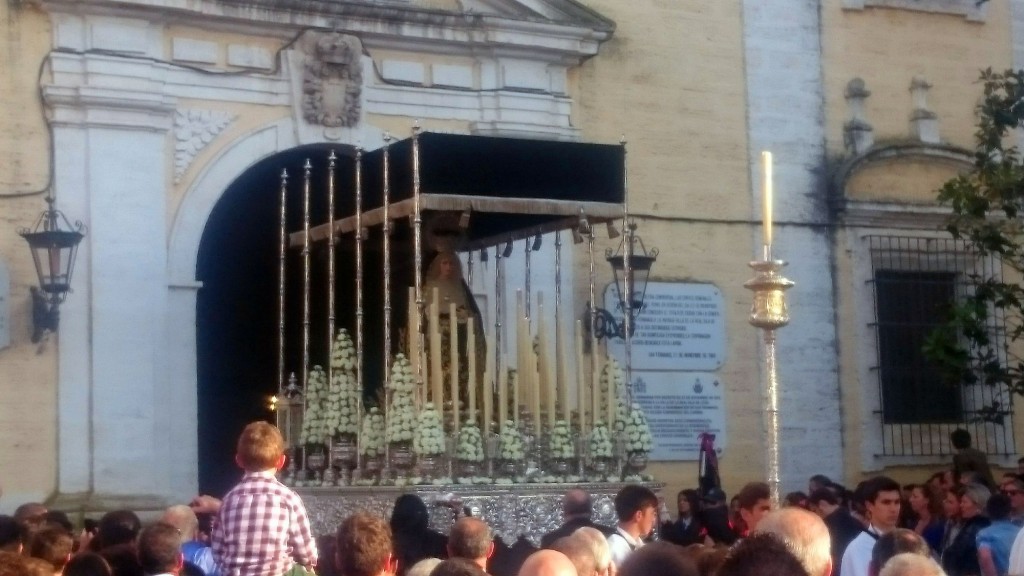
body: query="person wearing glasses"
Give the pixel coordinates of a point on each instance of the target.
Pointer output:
(1013, 487)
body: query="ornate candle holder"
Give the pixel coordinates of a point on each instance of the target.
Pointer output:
(769, 312)
(316, 461)
(343, 455)
(491, 444)
(401, 458)
(620, 457)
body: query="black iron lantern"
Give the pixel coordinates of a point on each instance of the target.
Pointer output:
(640, 263)
(54, 245)
(634, 276)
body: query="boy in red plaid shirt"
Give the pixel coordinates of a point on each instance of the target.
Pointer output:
(261, 528)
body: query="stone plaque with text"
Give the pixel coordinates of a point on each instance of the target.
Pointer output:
(682, 327)
(679, 407)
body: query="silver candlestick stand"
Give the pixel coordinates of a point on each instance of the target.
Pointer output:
(769, 312)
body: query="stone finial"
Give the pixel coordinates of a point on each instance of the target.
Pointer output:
(858, 134)
(924, 124)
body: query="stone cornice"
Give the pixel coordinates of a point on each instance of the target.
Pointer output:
(891, 215)
(377, 24)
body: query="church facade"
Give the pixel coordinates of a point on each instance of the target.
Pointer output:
(140, 115)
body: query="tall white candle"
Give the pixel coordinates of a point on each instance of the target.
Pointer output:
(766, 165)
(453, 366)
(471, 353)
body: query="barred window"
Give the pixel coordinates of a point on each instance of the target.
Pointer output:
(915, 282)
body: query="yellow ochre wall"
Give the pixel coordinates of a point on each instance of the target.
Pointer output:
(28, 395)
(887, 48)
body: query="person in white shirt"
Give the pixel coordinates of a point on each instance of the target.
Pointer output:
(637, 510)
(882, 500)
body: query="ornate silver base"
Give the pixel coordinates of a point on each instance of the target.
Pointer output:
(511, 509)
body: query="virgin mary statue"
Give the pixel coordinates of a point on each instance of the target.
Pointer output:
(444, 274)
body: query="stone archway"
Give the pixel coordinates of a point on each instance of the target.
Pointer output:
(194, 250)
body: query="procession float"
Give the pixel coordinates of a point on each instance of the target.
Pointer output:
(404, 387)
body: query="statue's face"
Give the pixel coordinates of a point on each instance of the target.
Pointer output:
(447, 268)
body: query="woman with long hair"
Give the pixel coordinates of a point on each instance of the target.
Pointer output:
(928, 511)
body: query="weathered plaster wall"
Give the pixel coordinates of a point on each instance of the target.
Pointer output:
(28, 409)
(888, 47)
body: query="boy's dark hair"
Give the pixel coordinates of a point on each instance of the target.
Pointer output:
(998, 507)
(897, 541)
(752, 493)
(260, 447)
(822, 495)
(54, 545)
(364, 545)
(869, 490)
(58, 518)
(820, 479)
(159, 548)
(118, 527)
(631, 499)
(761, 554)
(12, 564)
(658, 558)
(960, 438)
(87, 564)
(1020, 460)
(123, 560)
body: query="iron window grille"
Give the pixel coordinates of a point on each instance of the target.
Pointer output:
(914, 281)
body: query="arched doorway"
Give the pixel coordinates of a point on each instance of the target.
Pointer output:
(237, 306)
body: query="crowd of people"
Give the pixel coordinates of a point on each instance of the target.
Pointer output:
(960, 522)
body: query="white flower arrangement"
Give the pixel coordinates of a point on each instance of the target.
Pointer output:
(600, 441)
(342, 401)
(560, 443)
(429, 437)
(401, 413)
(314, 423)
(372, 436)
(638, 432)
(511, 442)
(470, 445)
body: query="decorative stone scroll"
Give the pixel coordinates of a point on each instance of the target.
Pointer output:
(333, 79)
(194, 130)
(529, 510)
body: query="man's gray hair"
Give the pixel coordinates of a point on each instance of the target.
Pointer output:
(598, 545)
(804, 533)
(910, 564)
(978, 494)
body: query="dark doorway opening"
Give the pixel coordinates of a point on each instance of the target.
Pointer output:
(237, 307)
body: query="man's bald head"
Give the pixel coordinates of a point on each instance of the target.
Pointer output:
(184, 519)
(576, 502)
(806, 535)
(547, 563)
(470, 538)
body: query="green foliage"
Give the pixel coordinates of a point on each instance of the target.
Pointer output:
(987, 204)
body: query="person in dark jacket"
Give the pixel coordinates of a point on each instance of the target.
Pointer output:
(960, 558)
(576, 510)
(413, 539)
(842, 527)
(687, 529)
(714, 518)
